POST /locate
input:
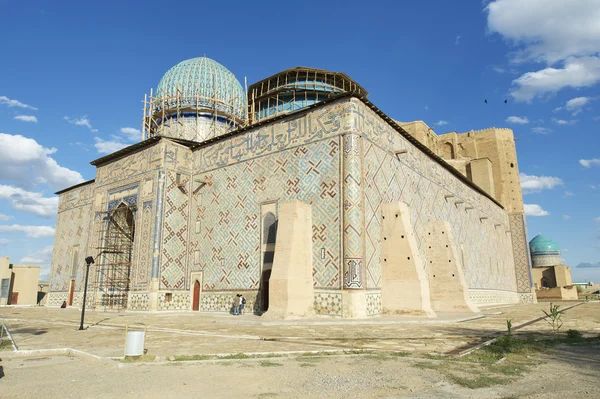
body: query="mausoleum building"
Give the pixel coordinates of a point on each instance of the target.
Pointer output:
(302, 195)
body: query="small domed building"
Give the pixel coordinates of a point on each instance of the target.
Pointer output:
(299, 193)
(552, 279)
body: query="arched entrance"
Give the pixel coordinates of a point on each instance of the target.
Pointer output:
(264, 299)
(269, 237)
(196, 297)
(117, 253)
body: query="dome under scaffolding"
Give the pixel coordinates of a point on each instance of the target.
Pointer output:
(197, 99)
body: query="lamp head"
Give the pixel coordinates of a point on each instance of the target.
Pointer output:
(89, 260)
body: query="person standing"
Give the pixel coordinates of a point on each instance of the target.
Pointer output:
(236, 305)
(242, 303)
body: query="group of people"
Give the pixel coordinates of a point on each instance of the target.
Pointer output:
(239, 302)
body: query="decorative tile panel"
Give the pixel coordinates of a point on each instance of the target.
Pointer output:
(373, 303)
(175, 233)
(179, 301)
(488, 297)
(138, 301)
(521, 252)
(353, 212)
(328, 303)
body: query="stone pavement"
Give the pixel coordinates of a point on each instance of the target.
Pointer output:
(193, 333)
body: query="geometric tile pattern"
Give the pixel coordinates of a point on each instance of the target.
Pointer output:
(483, 297)
(138, 301)
(521, 252)
(373, 303)
(179, 301)
(229, 208)
(527, 297)
(56, 298)
(480, 227)
(175, 229)
(72, 228)
(328, 303)
(141, 271)
(353, 213)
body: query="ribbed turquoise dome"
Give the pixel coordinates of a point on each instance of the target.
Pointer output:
(543, 245)
(205, 81)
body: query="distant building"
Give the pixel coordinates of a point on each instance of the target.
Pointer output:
(552, 279)
(18, 283)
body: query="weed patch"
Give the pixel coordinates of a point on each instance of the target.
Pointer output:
(267, 363)
(186, 358)
(136, 359)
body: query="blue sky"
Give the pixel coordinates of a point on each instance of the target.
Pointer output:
(73, 75)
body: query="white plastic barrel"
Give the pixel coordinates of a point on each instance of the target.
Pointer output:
(134, 344)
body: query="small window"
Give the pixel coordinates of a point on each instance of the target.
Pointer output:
(197, 227)
(178, 178)
(512, 165)
(196, 256)
(168, 297)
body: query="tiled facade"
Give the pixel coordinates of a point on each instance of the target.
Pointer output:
(198, 211)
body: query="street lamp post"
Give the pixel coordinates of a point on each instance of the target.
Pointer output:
(89, 261)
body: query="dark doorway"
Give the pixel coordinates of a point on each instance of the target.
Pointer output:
(71, 293)
(196, 302)
(264, 299)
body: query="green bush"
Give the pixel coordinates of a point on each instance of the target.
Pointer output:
(574, 334)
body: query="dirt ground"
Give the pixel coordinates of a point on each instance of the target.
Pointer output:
(419, 371)
(570, 371)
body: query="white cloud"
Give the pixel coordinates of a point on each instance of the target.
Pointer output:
(575, 105)
(83, 121)
(30, 202)
(569, 194)
(5, 217)
(26, 118)
(131, 133)
(426, 108)
(547, 30)
(517, 119)
(457, 40)
(441, 123)
(534, 184)
(30, 231)
(15, 103)
(564, 122)
(43, 256)
(541, 130)
(597, 220)
(566, 217)
(25, 161)
(593, 187)
(588, 163)
(534, 210)
(552, 32)
(4, 241)
(576, 73)
(108, 147)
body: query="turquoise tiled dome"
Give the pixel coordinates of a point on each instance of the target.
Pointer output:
(543, 245)
(204, 81)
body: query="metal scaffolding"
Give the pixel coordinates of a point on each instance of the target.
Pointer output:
(294, 89)
(168, 115)
(116, 235)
